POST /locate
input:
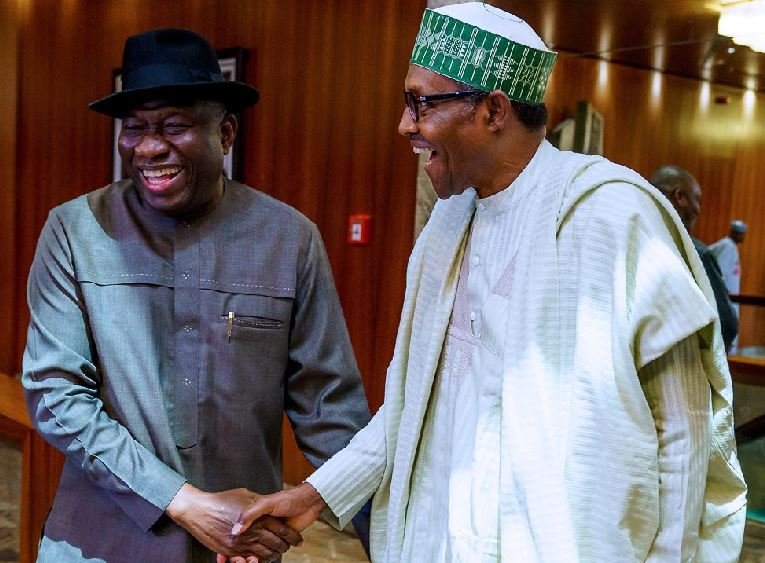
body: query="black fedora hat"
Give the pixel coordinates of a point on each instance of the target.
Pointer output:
(176, 65)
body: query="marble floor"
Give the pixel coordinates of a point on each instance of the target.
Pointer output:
(323, 544)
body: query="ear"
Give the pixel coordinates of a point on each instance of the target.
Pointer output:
(228, 132)
(500, 111)
(678, 197)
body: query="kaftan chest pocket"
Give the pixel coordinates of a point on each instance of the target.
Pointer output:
(251, 331)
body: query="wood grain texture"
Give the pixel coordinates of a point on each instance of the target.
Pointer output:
(677, 122)
(323, 139)
(9, 24)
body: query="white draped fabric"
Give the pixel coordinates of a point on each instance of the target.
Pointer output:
(598, 284)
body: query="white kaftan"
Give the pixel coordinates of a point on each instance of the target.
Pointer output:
(603, 314)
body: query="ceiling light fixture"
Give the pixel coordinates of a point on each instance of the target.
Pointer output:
(744, 22)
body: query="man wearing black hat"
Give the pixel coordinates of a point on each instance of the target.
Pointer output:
(175, 316)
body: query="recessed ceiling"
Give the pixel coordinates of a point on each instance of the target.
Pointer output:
(674, 36)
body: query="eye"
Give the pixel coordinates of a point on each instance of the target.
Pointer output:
(176, 128)
(424, 105)
(133, 129)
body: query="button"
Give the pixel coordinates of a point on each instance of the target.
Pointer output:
(187, 224)
(187, 328)
(186, 381)
(476, 260)
(186, 274)
(472, 315)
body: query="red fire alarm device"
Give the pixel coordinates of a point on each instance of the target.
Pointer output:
(359, 229)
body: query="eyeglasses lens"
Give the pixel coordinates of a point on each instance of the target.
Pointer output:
(411, 105)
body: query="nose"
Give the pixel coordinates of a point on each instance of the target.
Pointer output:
(151, 145)
(407, 125)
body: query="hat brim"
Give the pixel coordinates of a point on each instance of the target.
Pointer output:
(236, 96)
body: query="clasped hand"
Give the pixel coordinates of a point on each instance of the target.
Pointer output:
(297, 508)
(211, 517)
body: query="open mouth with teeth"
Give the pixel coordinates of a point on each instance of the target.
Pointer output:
(158, 178)
(429, 152)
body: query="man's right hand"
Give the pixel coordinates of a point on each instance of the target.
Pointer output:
(300, 506)
(209, 517)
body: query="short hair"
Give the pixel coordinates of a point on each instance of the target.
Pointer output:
(214, 107)
(669, 178)
(532, 116)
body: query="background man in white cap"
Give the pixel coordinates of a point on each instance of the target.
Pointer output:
(558, 390)
(726, 252)
(684, 193)
(175, 317)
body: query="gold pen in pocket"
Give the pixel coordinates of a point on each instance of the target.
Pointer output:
(230, 324)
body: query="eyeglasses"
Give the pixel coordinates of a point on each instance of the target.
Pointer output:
(415, 104)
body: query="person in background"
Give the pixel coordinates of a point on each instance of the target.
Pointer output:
(684, 193)
(559, 389)
(725, 251)
(175, 317)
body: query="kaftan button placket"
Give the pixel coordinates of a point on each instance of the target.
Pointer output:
(187, 300)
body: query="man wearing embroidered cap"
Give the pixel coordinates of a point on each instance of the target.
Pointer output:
(175, 317)
(558, 390)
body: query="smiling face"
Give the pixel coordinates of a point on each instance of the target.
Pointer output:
(449, 130)
(174, 155)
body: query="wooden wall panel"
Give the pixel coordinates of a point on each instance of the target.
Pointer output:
(653, 119)
(322, 138)
(9, 21)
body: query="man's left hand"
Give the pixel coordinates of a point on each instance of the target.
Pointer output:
(209, 517)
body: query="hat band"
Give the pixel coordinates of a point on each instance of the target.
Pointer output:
(482, 59)
(158, 75)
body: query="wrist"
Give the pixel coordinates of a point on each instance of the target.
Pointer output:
(182, 502)
(314, 501)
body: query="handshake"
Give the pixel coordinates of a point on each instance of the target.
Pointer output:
(244, 527)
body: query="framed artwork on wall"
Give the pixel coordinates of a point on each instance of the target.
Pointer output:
(232, 63)
(582, 133)
(588, 131)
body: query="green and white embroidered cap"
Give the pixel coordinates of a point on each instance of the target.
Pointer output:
(485, 47)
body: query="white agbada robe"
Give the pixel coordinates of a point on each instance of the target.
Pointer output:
(453, 511)
(453, 508)
(598, 292)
